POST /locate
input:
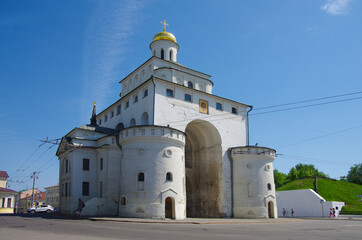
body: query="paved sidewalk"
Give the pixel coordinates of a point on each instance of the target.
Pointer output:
(220, 220)
(195, 220)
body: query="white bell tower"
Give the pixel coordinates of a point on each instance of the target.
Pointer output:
(164, 45)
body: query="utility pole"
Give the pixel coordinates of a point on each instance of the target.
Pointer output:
(32, 195)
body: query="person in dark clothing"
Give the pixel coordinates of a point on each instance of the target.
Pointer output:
(81, 205)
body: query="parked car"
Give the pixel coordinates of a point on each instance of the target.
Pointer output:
(41, 208)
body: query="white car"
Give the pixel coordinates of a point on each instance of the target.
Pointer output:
(41, 208)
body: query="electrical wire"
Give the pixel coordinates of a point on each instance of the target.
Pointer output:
(322, 136)
(309, 100)
(305, 106)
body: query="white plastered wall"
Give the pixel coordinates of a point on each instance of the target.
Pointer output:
(305, 203)
(153, 151)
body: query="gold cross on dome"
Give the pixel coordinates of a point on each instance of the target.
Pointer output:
(164, 24)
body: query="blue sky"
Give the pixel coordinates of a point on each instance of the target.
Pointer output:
(58, 57)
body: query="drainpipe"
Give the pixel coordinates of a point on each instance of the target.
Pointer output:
(154, 98)
(247, 125)
(232, 181)
(120, 171)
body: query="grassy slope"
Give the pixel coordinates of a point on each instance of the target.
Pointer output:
(331, 191)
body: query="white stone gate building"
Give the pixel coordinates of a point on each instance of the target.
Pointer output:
(167, 148)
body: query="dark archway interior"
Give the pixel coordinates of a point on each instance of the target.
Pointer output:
(203, 159)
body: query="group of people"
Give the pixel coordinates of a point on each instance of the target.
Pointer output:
(285, 212)
(332, 212)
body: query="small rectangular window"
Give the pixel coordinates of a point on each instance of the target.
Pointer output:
(85, 189)
(101, 164)
(85, 164)
(234, 111)
(135, 98)
(100, 122)
(169, 93)
(112, 114)
(118, 109)
(188, 97)
(127, 104)
(218, 106)
(145, 93)
(106, 118)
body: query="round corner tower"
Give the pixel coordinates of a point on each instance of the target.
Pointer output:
(152, 173)
(253, 182)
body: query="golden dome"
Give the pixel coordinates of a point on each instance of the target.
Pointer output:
(165, 36)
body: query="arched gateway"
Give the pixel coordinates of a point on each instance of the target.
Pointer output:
(203, 159)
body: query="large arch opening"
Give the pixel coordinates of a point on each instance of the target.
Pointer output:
(203, 160)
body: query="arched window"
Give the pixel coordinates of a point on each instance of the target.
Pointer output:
(162, 54)
(132, 122)
(154, 53)
(169, 177)
(123, 201)
(144, 120)
(141, 177)
(190, 85)
(141, 181)
(120, 126)
(269, 186)
(171, 53)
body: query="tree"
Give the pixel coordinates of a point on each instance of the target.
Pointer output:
(355, 174)
(304, 171)
(279, 178)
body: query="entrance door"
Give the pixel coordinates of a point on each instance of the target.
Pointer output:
(168, 208)
(271, 209)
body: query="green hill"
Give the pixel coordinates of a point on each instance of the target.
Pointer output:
(331, 190)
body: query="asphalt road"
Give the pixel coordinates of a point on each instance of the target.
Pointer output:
(44, 227)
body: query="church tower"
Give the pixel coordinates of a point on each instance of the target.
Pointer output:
(164, 45)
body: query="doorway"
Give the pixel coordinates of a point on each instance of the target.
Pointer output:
(169, 208)
(270, 209)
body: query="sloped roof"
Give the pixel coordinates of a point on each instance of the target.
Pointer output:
(37, 196)
(7, 190)
(4, 174)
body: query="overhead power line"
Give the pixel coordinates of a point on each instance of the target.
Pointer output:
(313, 160)
(309, 100)
(305, 106)
(314, 138)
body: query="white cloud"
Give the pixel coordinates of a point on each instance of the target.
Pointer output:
(336, 7)
(106, 41)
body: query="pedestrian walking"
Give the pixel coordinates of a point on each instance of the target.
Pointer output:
(81, 205)
(284, 212)
(292, 212)
(334, 212)
(330, 213)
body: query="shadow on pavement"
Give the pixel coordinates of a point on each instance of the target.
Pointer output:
(54, 215)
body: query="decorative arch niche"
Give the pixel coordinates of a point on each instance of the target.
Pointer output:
(144, 119)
